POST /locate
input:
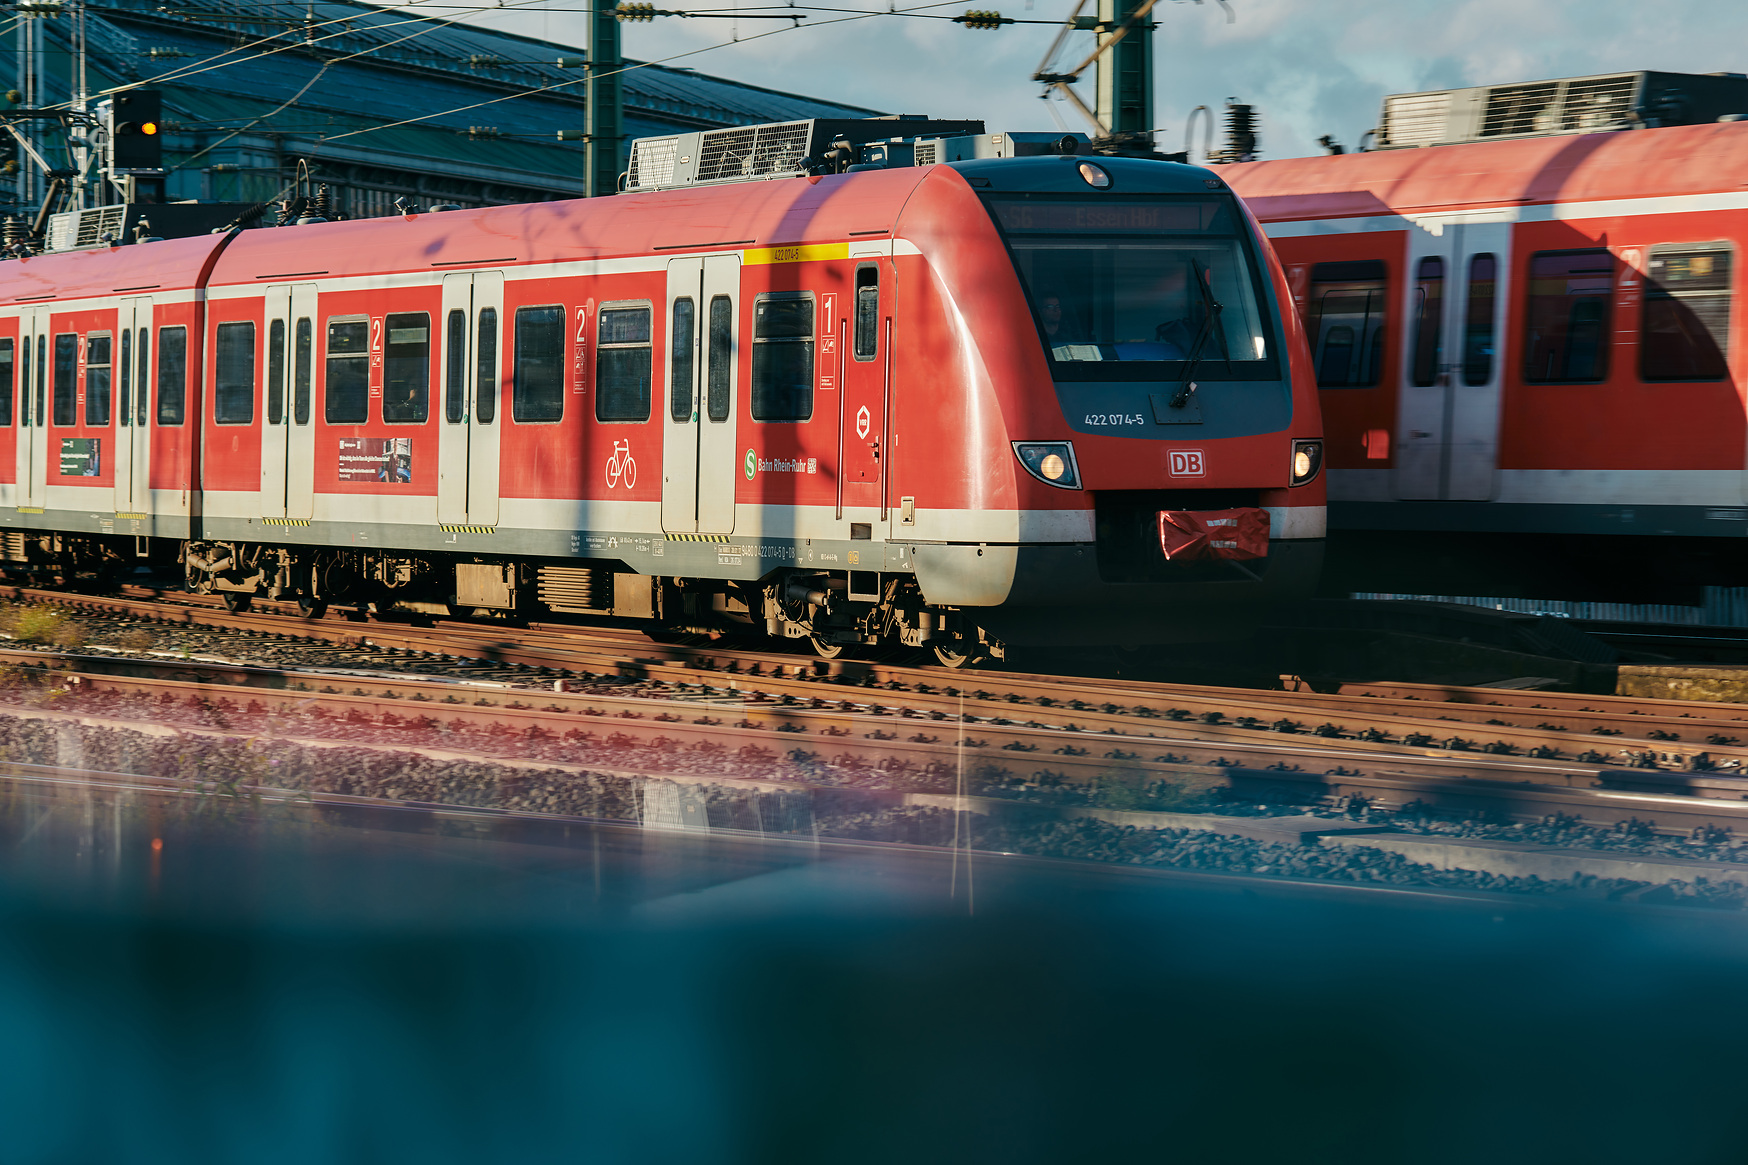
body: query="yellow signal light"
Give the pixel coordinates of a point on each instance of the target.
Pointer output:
(149, 128)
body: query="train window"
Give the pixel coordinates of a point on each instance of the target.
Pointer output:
(124, 388)
(276, 372)
(302, 370)
(867, 312)
(1429, 296)
(99, 350)
(145, 365)
(682, 360)
(1478, 320)
(7, 346)
(1347, 323)
(1566, 337)
(172, 374)
(719, 370)
(66, 379)
(782, 388)
(485, 392)
(538, 384)
(1686, 329)
(622, 364)
(406, 385)
(42, 371)
(233, 395)
(346, 383)
(455, 365)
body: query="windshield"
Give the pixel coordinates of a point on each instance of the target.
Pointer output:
(1116, 281)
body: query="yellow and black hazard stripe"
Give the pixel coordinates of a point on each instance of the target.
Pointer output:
(286, 521)
(30, 509)
(447, 529)
(131, 517)
(696, 537)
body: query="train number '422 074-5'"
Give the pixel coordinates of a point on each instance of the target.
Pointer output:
(1115, 419)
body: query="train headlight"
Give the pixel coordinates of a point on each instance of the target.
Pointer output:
(1307, 460)
(1051, 462)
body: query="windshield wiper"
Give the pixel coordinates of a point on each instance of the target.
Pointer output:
(1211, 309)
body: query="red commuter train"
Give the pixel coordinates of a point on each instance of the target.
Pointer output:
(1530, 357)
(1047, 399)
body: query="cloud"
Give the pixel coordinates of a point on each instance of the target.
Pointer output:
(1310, 67)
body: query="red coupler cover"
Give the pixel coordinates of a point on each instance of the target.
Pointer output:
(1192, 534)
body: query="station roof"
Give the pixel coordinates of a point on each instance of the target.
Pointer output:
(339, 66)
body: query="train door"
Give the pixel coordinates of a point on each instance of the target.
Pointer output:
(33, 444)
(864, 400)
(1448, 446)
(288, 440)
(699, 463)
(468, 369)
(133, 435)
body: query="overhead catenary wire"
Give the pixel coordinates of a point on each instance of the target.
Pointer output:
(627, 69)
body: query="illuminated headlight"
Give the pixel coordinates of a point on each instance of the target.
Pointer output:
(1051, 462)
(1307, 460)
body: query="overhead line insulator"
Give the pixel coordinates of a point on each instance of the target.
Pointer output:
(982, 18)
(635, 12)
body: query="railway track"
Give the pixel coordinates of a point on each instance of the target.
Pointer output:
(585, 694)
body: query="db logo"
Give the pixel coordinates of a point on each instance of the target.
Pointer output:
(1186, 463)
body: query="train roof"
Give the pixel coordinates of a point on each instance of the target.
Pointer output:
(747, 215)
(170, 265)
(1597, 167)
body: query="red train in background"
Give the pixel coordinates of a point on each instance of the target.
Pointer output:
(959, 404)
(1529, 340)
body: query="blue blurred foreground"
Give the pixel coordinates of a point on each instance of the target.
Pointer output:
(282, 983)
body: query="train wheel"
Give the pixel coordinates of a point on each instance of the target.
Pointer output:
(312, 607)
(833, 650)
(956, 655)
(236, 601)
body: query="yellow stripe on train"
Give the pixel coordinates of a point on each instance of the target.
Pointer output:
(467, 529)
(804, 253)
(696, 537)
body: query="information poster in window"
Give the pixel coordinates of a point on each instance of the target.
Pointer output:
(378, 459)
(81, 456)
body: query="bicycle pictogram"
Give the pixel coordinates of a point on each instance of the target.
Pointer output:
(620, 465)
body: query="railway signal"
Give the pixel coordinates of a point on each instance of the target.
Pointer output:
(135, 140)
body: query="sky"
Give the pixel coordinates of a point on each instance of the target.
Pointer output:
(1311, 67)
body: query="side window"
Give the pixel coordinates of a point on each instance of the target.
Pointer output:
(1566, 333)
(346, 382)
(124, 389)
(682, 365)
(622, 363)
(172, 374)
(720, 369)
(66, 379)
(406, 382)
(99, 350)
(1429, 314)
(1478, 320)
(455, 379)
(303, 371)
(1347, 322)
(867, 312)
(276, 372)
(7, 360)
(145, 367)
(24, 413)
(485, 390)
(1686, 329)
(538, 393)
(782, 388)
(233, 397)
